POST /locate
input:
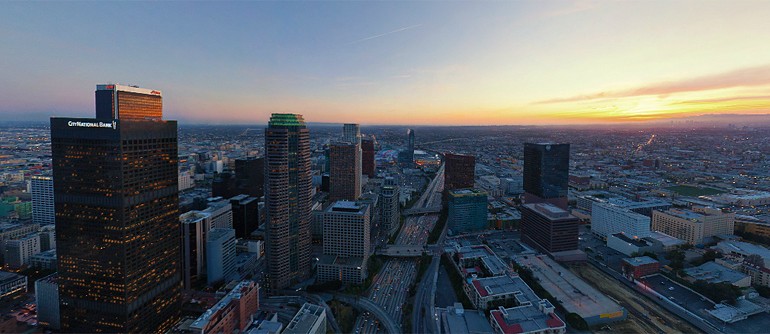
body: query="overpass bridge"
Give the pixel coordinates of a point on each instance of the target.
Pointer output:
(402, 250)
(419, 211)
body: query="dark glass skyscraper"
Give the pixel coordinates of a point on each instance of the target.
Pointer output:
(368, 164)
(460, 171)
(117, 223)
(288, 186)
(546, 173)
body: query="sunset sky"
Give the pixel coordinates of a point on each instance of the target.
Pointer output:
(506, 62)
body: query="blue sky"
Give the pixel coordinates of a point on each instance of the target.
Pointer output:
(515, 62)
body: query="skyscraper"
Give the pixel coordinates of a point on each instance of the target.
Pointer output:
(460, 171)
(351, 133)
(116, 199)
(467, 210)
(391, 215)
(410, 146)
(346, 242)
(42, 200)
(345, 173)
(546, 173)
(288, 186)
(250, 176)
(128, 102)
(368, 165)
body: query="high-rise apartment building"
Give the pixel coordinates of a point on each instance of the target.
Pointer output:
(346, 242)
(368, 164)
(549, 228)
(459, 171)
(391, 207)
(116, 199)
(345, 173)
(288, 190)
(546, 173)
(42, 200)
(691, 226)
(467, 210)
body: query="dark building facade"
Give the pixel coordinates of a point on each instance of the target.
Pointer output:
(459, 171)
(549, 228)
(128, 102)
(117, 223)
(288, 187)
(546, 173)
(368, 165)
(250, 176)
(345, 173)
(248, 179)
(245, 215)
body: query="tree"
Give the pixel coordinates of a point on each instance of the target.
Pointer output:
(677, 259)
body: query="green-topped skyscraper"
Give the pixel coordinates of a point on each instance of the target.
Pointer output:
(288, 189)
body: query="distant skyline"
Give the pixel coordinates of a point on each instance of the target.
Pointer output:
(410, 63)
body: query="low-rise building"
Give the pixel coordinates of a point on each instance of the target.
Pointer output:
(527, 319)
(712, 272)
(626, 245)
(455, 319)
(11, 284)
(691, 226)
(232, 313)
(310, 319)
(44, 260)
(638, 267)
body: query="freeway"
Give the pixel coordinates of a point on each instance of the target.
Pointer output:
(390, 287)
(371, 307)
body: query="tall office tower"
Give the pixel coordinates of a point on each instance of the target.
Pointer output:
(128, 103)
(42, 200)
(220, 254)
(391, 215)
(193, 226)
(467, 210)
(116, 200)
(351, 133)
(549, 228)
(345, 174)
(288, 189)
(546, 173)
(346, 242)
(410, 146)
(368, 165)
(459, 171)
(245, 215)
(250, 176)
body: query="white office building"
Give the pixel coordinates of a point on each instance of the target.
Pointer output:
(220, 254)
(42, 200)
(608, 219)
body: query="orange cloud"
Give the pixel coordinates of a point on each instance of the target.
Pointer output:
(745, 77)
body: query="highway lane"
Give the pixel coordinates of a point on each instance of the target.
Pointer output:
(390, 288)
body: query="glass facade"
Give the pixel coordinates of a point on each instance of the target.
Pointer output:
(130, 105)
(546, 170)
(117, 225)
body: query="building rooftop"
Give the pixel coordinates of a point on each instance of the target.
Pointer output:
(206, 317)
(126, 88)
(550, 211)
(527, 319)
(286, 120)
(341, 260)
(633, 241)
(684, 214)
(305, 318)
(456, 320)
(467, 192)
(348, 206)
(6, 277)
(665, 239)
(502, 285)
(713, 272)
(639, 260)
